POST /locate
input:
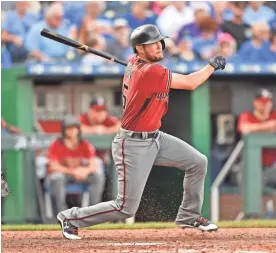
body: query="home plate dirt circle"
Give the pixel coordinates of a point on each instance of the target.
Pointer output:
(143, 241)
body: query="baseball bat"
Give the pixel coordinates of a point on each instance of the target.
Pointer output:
(72, 43)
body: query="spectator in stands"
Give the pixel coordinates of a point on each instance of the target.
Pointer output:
(97, 120)
(192, 29)
(43, 49)
(206, 44)
(173, 17)
(254, 49)
(119, 46)
(140, 15)
(6, 60)
(94, 23)
(185, 51)
(270, 52)
(262, 119)
(9, 129)
(72, 159)
(236, 27)
(227, 47)
(158, 6)
(221, 11)
(98, 43)
(256, 12)
(15, 26)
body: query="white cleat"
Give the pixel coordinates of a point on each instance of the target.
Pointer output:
(68, 231)
(201, 224)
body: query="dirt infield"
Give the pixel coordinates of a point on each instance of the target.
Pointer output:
(251, 240)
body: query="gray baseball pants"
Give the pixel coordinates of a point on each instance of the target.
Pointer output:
(134, 159)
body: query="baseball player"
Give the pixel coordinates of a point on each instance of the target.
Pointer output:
(139, 144)
(72, 159)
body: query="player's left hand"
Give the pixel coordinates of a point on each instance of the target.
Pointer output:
(218, 62)
(80, 174)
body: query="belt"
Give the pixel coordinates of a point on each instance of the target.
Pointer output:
(138, 135)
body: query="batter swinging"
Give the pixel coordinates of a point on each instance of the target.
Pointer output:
(139, 144)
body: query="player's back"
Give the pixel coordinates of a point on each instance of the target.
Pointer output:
(145, 95)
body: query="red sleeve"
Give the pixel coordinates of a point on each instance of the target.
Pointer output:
(89, 151)
(53, 152)
(82, 119)
(110, 121)
(242, 119)
(157, 79)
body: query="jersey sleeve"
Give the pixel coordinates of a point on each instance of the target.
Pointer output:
(52, 153)
(242, 119)
(111, 121)
(89, 151)
(82, 119)
(157, 79)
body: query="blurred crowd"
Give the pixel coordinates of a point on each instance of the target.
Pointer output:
(241, 31)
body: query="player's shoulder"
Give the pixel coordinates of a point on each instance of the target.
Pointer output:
(154, 68)
(82, 118)
(86, 143)
(56, 143)
(246, 114)
(273, 114)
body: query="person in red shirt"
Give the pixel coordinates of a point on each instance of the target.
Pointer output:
(262, 119)
(97, 120)
(72, 159)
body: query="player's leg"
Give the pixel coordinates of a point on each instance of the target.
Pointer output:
(96, 184)
(57, 182)
(177, 153)
(133, 159)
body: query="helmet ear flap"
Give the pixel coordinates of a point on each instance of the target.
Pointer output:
(163, 44)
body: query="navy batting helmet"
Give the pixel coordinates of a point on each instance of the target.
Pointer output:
(146, 34)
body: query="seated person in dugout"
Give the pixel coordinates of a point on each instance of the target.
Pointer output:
(262, 119)
(72, 160)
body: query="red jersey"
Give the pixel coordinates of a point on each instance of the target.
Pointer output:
(108, 122)
(68, 157)
(145, 95)
(268, 154)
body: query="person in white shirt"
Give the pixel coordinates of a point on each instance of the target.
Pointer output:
(173, 17)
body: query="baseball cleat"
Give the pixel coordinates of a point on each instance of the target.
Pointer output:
(200, 223)
(68, 231)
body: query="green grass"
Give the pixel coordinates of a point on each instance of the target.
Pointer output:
(146, 225)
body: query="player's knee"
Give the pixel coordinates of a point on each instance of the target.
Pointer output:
(129, 212)
(202, 163)
(129, 209)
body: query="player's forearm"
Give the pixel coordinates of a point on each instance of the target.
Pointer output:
(113, 129)
(88, 129)
(199, 77)
(57, 167)
(193, 80)
(254, 127)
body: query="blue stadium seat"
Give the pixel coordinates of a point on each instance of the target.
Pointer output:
(75, 188)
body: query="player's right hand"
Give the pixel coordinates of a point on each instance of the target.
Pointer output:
(218, 62)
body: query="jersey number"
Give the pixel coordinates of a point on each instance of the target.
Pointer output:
(125, 87)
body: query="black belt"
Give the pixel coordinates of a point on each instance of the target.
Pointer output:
(136, 135)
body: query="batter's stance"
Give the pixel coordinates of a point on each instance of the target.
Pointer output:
(139, 144)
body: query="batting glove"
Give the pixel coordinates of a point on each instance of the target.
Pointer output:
(218, 62)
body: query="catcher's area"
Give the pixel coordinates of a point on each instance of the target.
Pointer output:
(246, 240)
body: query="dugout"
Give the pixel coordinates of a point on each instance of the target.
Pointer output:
(45, 92)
